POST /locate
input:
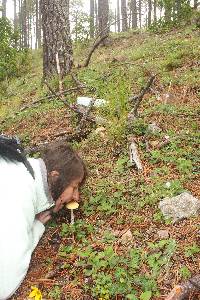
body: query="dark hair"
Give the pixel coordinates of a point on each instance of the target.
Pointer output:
(10, 149)
(60, 157)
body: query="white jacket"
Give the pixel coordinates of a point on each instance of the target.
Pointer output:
(21, 198)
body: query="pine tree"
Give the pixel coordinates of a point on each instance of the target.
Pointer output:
(4, 2)
(103, 17)
(57, 45)
(124, 15)
(91, 18)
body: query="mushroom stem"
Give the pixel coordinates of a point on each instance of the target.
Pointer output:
(72, 216)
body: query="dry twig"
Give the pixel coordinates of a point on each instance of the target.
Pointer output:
(137, 99)
(95, 45)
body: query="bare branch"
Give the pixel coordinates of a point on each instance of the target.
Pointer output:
(96, 44)
(134, 155)
(138, 98)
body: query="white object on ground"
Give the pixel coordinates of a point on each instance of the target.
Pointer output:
(134, 156)
(86, 101)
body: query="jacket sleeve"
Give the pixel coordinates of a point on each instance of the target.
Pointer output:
(19, 231)
(37, 232)
(15, 256)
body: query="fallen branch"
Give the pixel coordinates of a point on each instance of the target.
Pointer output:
(137, 99)
(183, 291)
(39, 101)
(78, 83)
(70, 106)
(96, 44)
(134, 155)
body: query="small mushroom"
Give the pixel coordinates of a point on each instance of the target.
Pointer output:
(72, 205)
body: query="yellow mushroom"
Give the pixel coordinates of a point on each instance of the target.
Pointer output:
(72, 205)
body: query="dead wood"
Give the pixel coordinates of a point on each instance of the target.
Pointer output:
(73, 107)
(95, 46)
(79, 134)
(78, 82)
(39, 101)
(134, 155)
(183, 291)
(137, 99)
(69, 138)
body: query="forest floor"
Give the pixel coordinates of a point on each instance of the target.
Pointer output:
(121, 246)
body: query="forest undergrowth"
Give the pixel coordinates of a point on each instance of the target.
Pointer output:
(121, 246)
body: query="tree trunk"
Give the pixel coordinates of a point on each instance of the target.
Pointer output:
(24, 21)
(103, 17)
(39, 25)
(115, 20)
(96, 16)
(56, 37)
(118, 17)
(168, 11)
(177, 9)
(149, 12)
(133, 9)
(154, 10)
(36, 23)
(196, 4)
(15, 15)
(20, 23)
(91, 18)
(140, 12)
(25, 24)
(4, 2)
(124, 15)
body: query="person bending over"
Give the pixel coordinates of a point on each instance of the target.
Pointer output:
(30, 189)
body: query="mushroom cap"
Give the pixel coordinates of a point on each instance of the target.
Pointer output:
(72, 205)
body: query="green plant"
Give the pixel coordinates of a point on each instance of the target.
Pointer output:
(184, 165)
(184, 272)
(79, 229)
(11, 59)
(192, 250)
(55, 293)
(164, 251)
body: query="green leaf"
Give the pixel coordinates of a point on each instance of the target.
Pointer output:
(131, 297)
(146, 295)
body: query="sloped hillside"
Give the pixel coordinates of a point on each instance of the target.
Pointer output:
(121, 246)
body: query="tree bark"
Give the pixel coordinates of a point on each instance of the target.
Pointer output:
(168, 11)
(103, 17)
(20, 23)
(15, 15)
(56, 37)
(118, 17)
(196, 3)
(140, 12)
(124, 15)
(24, 24)
(96, 16)
(154, 10)
(149, 12)
(36, 23)
(91, 18)
(4, 2)
(133, 9)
